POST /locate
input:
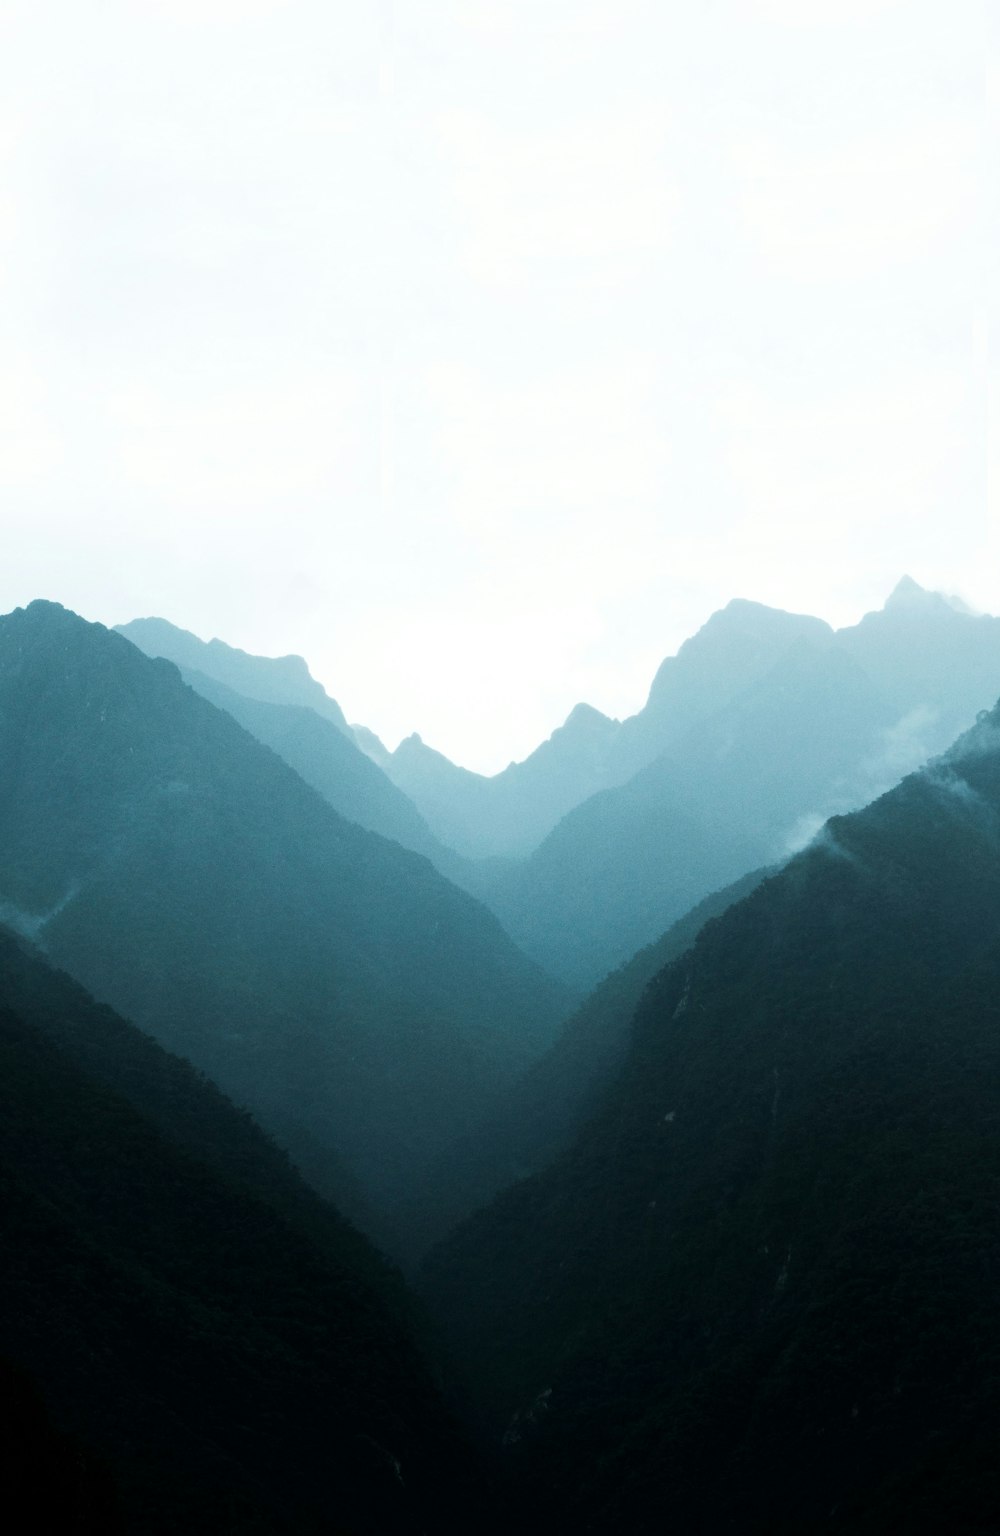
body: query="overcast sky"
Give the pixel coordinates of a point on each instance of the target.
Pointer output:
(478, 349)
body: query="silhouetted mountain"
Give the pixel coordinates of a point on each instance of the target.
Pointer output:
(510, 814)
(370, 745)
(757, 1293)
(365, 1009)
(332, 764)
(507, 815)
(339, 761)
(819, 723)
(544, 1109)
(936, 663)
(208, 1346)
(271, 679)
(731, 654)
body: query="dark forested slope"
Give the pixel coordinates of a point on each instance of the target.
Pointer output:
(757, 1294)
(543, 1110)
(223, 1350)
(366, 1009)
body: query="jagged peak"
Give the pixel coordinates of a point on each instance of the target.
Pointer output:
(586, 717)
(909, 597)
(907, 591)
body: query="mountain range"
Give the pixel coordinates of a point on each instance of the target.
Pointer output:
(366, 1010)
(756, 1293)
(698, 1122)
(761, 726)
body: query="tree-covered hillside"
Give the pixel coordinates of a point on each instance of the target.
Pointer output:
(542, 1111)
(756, 1295)
(190, 1340)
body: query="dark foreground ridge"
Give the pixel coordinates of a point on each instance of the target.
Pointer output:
(190, 1340)
(758, 1294)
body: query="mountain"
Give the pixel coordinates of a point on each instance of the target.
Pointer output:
(757, 1293)
(364, 1008)
(331, 763)
(816, 723)
(543, 1110)
(507, 815)
(270, 679)
(190, 1340)
(733, 652)
(280, 704)
(935, 662)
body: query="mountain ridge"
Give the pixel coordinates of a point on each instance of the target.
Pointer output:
(186, 875)
(753, 1293)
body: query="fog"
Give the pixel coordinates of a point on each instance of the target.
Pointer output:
(479, 351)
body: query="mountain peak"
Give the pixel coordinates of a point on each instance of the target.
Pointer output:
(584, 717)
(41, 605)
(269, 679)
(905, 592)
(909, 597)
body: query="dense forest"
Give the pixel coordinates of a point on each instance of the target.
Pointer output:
(609, 1146)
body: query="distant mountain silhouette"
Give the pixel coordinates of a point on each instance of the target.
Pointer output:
(280, 704)
(757, 1292)
(732, 653)
(815, 722)
(507, 815)
(510, 814)
(272, 680)
(364, 1008)
(219, 1349)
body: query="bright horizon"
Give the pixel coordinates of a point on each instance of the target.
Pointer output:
(478, 350)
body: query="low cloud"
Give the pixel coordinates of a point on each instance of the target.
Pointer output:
(803, 832)
(903, 748)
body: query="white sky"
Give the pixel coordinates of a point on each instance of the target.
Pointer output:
(479, 349)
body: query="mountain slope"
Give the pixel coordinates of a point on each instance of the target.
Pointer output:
(283, 707)
(757, 1293)
(327, 760)
(270, 679)
(507, 815)
(629, 862)
(833, 720)
(542, 1111)
(511, 813)
(225, 1351)
(363, 1007)
(732, 652)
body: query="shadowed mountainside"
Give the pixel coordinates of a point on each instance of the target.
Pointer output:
(756, 1293)
(364, 1008)
(544, 1109)
(224, 1351)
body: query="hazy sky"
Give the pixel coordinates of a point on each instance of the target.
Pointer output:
(478, 349)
